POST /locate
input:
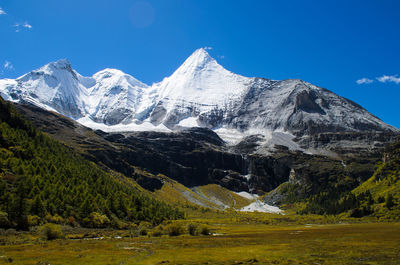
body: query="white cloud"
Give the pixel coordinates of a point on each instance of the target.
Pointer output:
(18, 26)
(207, 48)
(364, 81)
(2, 12)
(8, 65)
(389, 78)
(26, 25)
(221, 56)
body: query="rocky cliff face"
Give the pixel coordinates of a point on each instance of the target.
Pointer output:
(198, 156)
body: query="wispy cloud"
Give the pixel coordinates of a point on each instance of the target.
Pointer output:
(8, 65)
(25, 25)
(2, 12)
(221, 56)
(382, 79)
(389, 78)
(364, 81)
(207, 48)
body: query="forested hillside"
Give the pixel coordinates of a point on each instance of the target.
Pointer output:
(383, 188)
(349, 193)
(42, 180)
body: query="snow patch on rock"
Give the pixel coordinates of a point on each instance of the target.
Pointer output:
(247, 195)
(259, 206)
(189, 122)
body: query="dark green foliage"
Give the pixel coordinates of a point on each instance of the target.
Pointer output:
(330, 203)
(204, 230)
(144, 228)
(4, 220)
(39, 177)
(360, 212)
(389, 202)
(368, 197)
(37, 207)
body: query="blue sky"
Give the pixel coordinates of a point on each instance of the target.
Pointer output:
(332, 44)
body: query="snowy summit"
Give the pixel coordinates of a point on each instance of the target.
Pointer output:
(199, 93)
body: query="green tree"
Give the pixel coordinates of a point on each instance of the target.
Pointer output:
(389, 202)
(86, 207)
(37, 207)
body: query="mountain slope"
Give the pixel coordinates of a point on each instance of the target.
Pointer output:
(55, 86)
(200, 93)
(199, 86)
(115, 97)
(380, 194)
(41, 178)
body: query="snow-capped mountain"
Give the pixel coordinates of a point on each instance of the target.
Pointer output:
(199, 86)
(199, 93)
(115, 97)
(55, 86)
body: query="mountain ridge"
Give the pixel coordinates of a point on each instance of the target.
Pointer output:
(200, 93)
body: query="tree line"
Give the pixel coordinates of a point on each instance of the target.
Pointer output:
(42, 180)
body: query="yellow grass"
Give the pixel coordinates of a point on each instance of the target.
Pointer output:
(234, 243)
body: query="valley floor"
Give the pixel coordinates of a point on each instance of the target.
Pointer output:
(230, 243)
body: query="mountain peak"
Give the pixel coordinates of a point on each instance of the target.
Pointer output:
(108, 72)
(198, 60)
(60, 64)
(57, 68)
(201, 54)
(115, 76)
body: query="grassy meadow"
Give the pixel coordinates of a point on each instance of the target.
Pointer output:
(233, 239)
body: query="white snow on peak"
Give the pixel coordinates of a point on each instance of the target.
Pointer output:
(114, 94)
(55, 85)
(117, 76)
(199, 93)
(201, 80)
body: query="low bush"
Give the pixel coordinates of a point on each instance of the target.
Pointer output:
(174, 229)
(4, 223)
(204, 230)
(143, 228)
(96, 220)
(33, 220)
(157, 231)
(51, 231)
(55, 219)
(193, 229)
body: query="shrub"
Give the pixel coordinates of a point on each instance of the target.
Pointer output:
(133, 230)
(4, 223)
(193, 229)
(71, 221)
(174, 229)
(144, 228)
(51, 231)
(157, 231)
(11, 232)
(204, 230)
(56, 219)
(96, 220)
(33, 220)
